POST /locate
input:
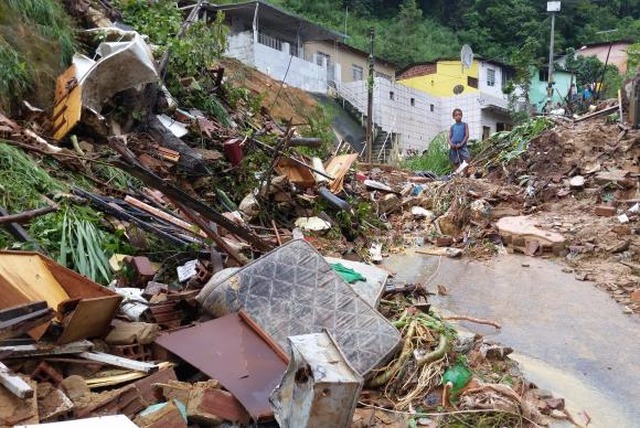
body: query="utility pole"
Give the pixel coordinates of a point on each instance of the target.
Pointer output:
(552, 7)
(369, 130)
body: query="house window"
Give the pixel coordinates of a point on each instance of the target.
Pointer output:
(543, 75)
(500, 126)
(491, 77)
(392, 96)
(322, 58)
(356, 72)
(486, 131)
(472, 82)
(413, 102)
(432, 108)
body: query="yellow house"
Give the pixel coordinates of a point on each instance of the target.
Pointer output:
(442, 78)
(477, 90)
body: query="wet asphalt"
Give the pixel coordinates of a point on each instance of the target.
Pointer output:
(569, 337)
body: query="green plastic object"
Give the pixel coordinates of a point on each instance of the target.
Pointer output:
(458, 376)
(349, 275)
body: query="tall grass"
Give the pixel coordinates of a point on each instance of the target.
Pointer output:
(81, 247)
(22, 181)
(36, 44)
(435, 159)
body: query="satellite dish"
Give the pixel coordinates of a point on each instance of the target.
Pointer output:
(466, 56)
(458, 89)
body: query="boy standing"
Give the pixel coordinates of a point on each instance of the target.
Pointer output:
(457, 139)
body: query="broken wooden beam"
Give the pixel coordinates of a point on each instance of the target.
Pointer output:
(191, 215)
(123, 362)
(18, 232)
(26, 215)
(41, 349)
(20, 319)
(164, 216)
(130, 164)
(14, 383)
(108, 208)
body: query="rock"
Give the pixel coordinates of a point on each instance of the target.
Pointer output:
(605, 211)
(388, 203)
(635, 296)
(464, 342)
(520, 233)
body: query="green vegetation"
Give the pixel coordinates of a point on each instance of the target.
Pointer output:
(73, 234)
(503, 147)
(36, 44)
(435, 158)
(81, 247)
(419, 30)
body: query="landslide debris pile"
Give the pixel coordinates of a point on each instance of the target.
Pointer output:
(160, 202)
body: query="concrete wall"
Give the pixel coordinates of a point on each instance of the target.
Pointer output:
(538, 89)
(240, 46)
(414, 116)
(291, 70)
(483, 79)
(279, 65)
(617, 56)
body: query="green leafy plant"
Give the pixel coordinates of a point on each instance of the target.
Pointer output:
(434, 159)
(160, 20)
(81, 248)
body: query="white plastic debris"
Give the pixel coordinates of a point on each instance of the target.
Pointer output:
(376, 252)
(187, 270)
(421, 212)
(312, 223)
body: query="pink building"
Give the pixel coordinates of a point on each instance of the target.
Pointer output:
(617, 55)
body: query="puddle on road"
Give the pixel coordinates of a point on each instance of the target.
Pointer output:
(579, 397)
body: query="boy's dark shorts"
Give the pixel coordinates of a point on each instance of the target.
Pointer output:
(456, 156)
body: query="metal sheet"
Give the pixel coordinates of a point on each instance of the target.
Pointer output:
(292, 291)
(319, 389)
(226, 349)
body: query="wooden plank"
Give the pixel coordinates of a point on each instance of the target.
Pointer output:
(597, 113)
(68, 103)
(15, 410)
(90, 318)
(123, 362)
(22, 324)
(20, 310)
(165, 216)
(21, 351)
(14, 383)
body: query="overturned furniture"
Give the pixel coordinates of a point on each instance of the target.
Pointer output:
(84, 308)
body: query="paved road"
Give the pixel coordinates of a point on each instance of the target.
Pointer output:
(571, 338)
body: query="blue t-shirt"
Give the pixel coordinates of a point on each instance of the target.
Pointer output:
(457, 132)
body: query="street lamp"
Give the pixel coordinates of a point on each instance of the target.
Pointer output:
(552, 7)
